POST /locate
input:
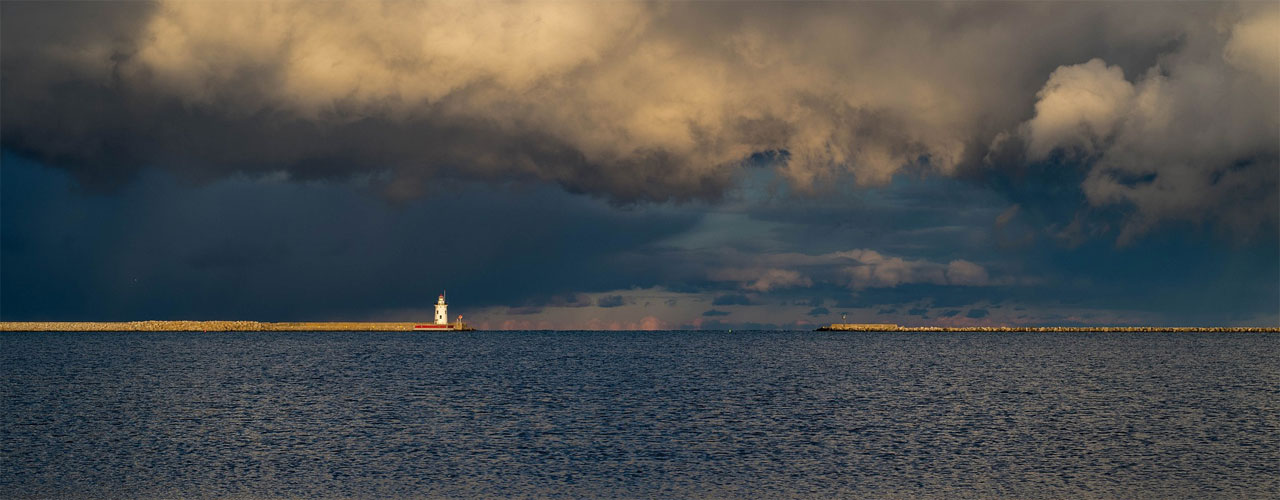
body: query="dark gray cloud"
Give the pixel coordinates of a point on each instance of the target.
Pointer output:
(279, 250)
(713, 312)
(610, 301)
(286, 251)
(731, 300)
(536, 304)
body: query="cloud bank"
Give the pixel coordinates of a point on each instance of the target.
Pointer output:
(1171, 111)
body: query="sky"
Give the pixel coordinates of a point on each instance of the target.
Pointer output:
(639, 165)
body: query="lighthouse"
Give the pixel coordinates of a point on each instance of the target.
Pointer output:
(441, 324)
(442, 311)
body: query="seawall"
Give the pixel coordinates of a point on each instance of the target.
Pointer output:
(201, 326)
(873, 327)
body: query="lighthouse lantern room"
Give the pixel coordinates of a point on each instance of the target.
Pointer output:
(442, 314)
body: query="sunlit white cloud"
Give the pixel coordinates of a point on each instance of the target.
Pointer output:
(1193, 137)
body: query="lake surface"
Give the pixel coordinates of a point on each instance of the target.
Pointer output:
(639, 414)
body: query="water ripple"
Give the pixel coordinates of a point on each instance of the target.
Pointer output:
(665, 414)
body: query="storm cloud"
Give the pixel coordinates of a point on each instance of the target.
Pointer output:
(656, 101)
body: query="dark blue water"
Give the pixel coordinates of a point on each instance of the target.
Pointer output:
(642, 414)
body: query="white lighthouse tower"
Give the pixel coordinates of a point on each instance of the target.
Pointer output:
(442, 311)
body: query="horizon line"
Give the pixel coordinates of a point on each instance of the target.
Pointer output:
(403, 326)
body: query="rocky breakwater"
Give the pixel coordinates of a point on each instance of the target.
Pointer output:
(860, 327)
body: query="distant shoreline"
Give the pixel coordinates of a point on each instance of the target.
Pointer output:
(332, 326)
